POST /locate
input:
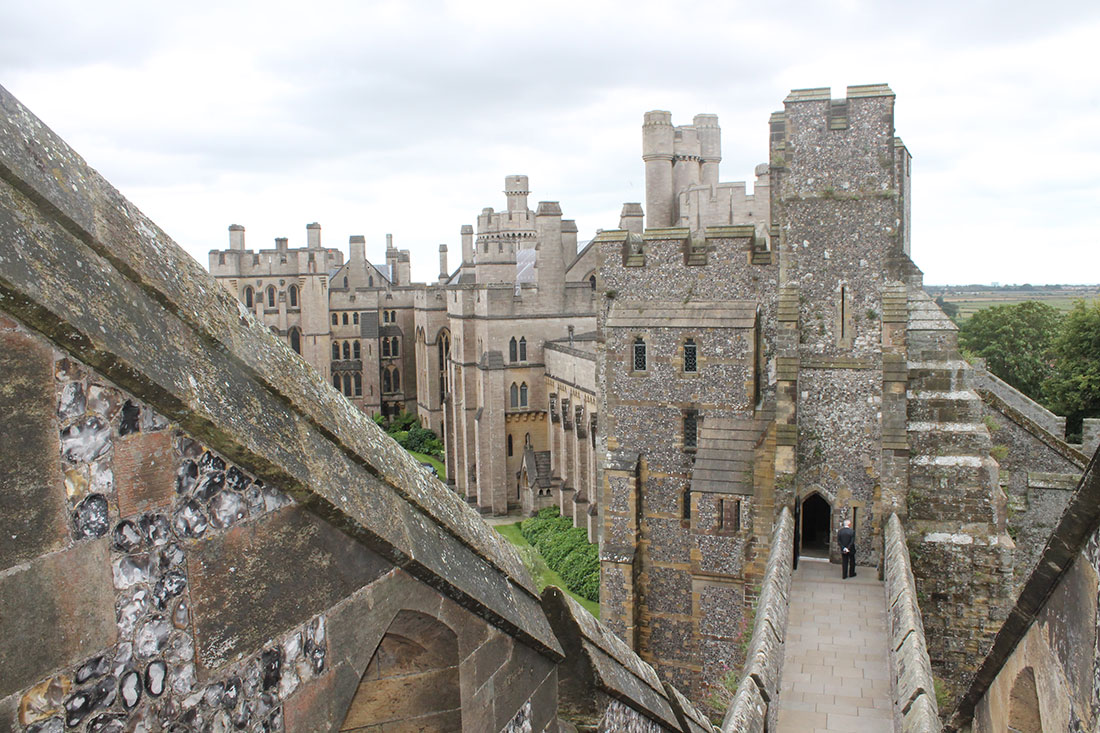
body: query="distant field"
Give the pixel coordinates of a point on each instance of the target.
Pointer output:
(971, 301)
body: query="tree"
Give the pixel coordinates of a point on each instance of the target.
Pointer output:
(951, 310)
(1016, 342)
(1073, 389)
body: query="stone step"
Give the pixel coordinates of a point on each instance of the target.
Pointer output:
(944, 374)
(940, 406)
(942, 473)
(957, 438)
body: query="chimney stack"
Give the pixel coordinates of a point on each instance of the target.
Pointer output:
(236, 236)
(313, 235)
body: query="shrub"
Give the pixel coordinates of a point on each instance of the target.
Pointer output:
(566, 550)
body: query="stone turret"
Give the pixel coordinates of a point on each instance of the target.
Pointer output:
(442, 262)
(391, 259)
(550, 264)
(236, 236)
(313, 235)
(658, 136)
(710, 148)
(515, 188)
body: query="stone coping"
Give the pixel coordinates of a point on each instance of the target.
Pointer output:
(84, 267)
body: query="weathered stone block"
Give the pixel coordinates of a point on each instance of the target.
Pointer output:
(32, 501)
(57, 610)
(144, 468)
(921, 717)
(748, 711)
(259, 579)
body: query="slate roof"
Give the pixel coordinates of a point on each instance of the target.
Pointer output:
(723, 460)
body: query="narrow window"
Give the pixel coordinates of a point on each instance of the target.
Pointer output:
(523, 348)
(345, 319)
(843, 311)
(691, 360)
(370, 281)
(296, 340)
(592, 281)
(513, 395)
(691, 429)
(685, 505)
(358, 384)
(396, 380)
(527, 440)
(345, 282)
(509, 446)
(386, 383)
(513, 350)
(385, 316)
(729, 518)
(639, 354)
(335, 351)
(336, 381)
(347, 350)
(385, 346)
(355, 318)
(270, 297)
(335, 320)
(355, 351)
(248, 297)
(523, 395)
(394, 343)
(347, 384)
(292, 293)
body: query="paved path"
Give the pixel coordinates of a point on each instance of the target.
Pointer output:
(836, 663)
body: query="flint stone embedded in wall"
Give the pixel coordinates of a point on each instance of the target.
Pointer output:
(56, 610)
(258, 579)
(32, 502)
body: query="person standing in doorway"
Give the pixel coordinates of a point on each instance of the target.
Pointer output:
(846, 538)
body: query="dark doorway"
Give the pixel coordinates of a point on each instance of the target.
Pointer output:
(815, 526)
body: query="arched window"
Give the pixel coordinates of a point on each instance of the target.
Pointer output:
(355, 318)
(370, 281)
(509, 446)
(336, 381)
(335, 320)
(513, 350)
(355, 352)
(385, 346)
(527, 440)
(691, 356)
(270, 296)
(592, 281)
(513, 395)
(523, 395)
(296, 340)
(347, 384)
(358, 384)
(387, 385)
(345, 281)
(396, 380)
(345, 319)
(393, 346)
(292, 293)
(347, 350)
(522, 348)
(248, 295)
(335, 351)
(639, 354)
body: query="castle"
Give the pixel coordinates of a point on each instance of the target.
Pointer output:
(200, 533)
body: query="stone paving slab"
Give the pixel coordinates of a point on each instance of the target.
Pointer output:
(836, 659)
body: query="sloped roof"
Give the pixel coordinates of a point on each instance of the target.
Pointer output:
(724, 457)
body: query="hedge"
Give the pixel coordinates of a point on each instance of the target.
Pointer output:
(566, 550)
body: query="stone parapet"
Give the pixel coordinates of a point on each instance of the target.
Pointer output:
(913, 686)
(752, 710)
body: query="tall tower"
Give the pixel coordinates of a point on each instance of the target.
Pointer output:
(658, 136)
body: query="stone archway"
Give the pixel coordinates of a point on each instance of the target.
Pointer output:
(1023, 704)
(411, 682)
(816, 525)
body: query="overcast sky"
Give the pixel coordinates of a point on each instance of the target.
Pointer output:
(405, 117)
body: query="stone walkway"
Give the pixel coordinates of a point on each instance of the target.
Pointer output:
(836, 662)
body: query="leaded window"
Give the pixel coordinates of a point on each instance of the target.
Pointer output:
(691, 429)
(639, 354)
(691, 356)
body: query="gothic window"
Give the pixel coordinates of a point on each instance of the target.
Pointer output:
(355, 318)
(336, 381)
(335, 320)
(355, 351)
(248, 297)
(592, 281)
(522, 348)
(370, 281)
(385, 346)
(358, 384)
(296, 340)
(691, 429)
(527, 440)
(523, 395)
(385, 316)
(513, 350)
(345, 319)
(345, 282)
(393, 346)
(387, 384)
(347, 350)
(335, 350)
(270, 296)
(639, 354)
(691, 360)
(509, 446)
(685, 505)
(292, 294)
(513, 395)
(347, 384)
(396, 380)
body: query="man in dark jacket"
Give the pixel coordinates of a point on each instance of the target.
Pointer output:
(846, 538)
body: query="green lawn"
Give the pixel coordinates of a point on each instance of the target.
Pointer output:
(544, 576)
(425, 458)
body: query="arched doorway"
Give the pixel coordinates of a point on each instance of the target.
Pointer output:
(816, 520)
(1023, 704)
(411, 682)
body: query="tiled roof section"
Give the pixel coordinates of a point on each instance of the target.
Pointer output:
(677, 314)
(723, 461)
(537, 465)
